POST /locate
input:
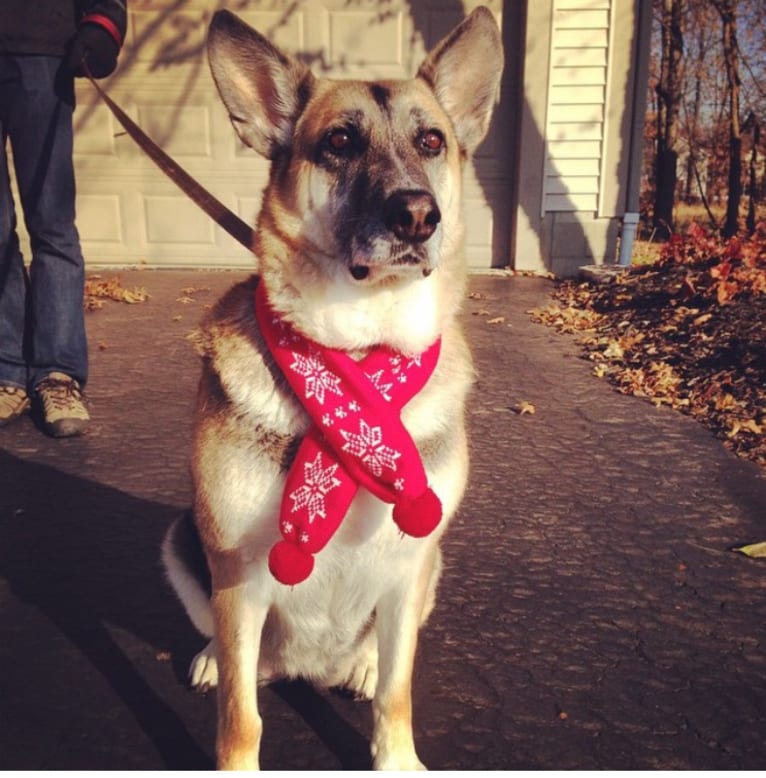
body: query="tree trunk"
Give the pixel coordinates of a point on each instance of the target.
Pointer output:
(728, 11)
(693, 124)
(669, 104)
(755, 128)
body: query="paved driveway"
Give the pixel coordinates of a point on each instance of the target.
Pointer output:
(591, 615)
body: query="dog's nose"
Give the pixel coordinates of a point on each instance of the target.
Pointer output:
(412, 215)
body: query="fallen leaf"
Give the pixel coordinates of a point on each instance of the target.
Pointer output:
(755, 550)
(750, 425)
(725, 402)
(136, 295)
(188, 291)
(688, 288)
(614, 350)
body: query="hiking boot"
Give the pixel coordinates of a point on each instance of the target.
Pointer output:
(14, 402)
(63, 406)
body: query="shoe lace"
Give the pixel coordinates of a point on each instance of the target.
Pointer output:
(59, 392)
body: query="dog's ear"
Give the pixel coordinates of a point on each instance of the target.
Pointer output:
(263, 89)
(464, 72)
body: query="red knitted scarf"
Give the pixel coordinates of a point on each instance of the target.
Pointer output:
(356, 439)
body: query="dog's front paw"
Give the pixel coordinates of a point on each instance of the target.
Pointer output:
(396, 761)
(392, 745)
(363, 679)
(388, 754)
(203, 673)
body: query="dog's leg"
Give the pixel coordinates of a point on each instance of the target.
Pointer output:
(239, 620)
(398, 617)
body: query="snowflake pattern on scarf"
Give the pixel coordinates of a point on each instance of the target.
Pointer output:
(318, 483)
(318, 378)
(368, 445)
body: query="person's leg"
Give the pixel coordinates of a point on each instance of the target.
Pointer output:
(13, 365)
(41, 134)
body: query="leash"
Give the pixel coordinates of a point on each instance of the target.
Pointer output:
(213, 207)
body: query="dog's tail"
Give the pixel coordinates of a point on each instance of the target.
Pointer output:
(187, 570)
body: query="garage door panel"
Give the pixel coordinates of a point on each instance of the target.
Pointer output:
(283, 28)
(164, 36)
(95, 133)
(100, 217)
(181, 130)
(175, 219)
(364, 38)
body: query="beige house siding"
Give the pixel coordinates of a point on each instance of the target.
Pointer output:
(575, 119)
(130, 214)
(576, 98)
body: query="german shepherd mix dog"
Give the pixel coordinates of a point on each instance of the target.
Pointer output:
(311, 372)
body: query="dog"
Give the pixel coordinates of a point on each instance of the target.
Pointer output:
(359, 246)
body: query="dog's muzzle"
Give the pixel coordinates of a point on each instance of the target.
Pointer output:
(412, 216)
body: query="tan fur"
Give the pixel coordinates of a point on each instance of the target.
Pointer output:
(343, 267)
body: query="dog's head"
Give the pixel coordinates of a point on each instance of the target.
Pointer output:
(365, 175)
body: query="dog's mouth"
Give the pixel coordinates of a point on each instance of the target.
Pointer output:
(364, 268)
(365, 272)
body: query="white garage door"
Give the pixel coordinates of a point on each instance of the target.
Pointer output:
(130, 214)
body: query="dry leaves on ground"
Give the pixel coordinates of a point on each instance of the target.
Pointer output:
(687, 331)
(98, 290)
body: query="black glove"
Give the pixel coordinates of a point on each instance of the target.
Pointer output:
(96, 47)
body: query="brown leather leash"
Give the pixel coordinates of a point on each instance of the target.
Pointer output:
(213, 207)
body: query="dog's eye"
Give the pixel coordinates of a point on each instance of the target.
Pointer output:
(339, 141)
(431, 141)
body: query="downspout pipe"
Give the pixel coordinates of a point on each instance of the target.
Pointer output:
(636, 143)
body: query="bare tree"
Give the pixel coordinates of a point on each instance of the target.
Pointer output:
(728, 12)
(693, 116)
(669, 95)
(753, 126)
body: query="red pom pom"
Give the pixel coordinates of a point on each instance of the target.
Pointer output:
(289, 564)
(418, 516)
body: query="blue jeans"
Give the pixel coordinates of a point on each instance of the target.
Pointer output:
(42, 326)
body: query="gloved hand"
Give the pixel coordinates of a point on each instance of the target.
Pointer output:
(93, 44)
